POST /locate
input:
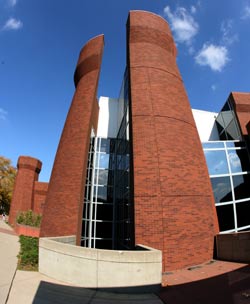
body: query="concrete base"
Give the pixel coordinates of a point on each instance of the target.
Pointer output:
(96, 268)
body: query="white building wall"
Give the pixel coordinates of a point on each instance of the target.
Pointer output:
(108, 117)
(205, 123)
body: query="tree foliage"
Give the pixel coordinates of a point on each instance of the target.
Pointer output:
(7, 179)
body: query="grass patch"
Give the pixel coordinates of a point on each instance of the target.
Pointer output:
(28, 255)
(29, 218)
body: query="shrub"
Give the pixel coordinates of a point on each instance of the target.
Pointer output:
(28, 256)
(29, 218)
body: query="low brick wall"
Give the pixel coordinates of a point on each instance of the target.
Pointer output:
(27, 230)
(97, 268)
(234, 247)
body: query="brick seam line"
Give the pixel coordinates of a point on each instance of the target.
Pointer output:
(158, 162)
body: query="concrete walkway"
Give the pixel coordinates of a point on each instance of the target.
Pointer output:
(212, 282)
(26, 287)
(9, 249)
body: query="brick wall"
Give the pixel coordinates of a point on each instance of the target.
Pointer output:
(40, 192)
(174, 205)
(64, 202)
(23, 194)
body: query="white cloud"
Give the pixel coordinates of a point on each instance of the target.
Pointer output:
(3, 114)
(12, 24)
(234, 160)
(12, 3)
(228, 36)
(214, 56)
(245, 12)
(193, 9)
(182, 23)
(213, 87)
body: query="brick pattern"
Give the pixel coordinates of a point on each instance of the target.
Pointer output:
(174, 205)
(40, 192)
(241, 103)
(23, 194)
(64, 202)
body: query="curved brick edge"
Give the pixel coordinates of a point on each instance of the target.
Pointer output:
(64, 202)
(173, 199)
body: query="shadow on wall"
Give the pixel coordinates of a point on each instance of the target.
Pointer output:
(230, 288)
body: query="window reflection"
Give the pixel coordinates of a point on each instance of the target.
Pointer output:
(216, 162)
(221, 189)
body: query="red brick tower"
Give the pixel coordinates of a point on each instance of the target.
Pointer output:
(23, 194)
(64, 202)
(174, 205)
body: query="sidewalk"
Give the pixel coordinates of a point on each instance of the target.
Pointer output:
(215, 282)
(9, 249)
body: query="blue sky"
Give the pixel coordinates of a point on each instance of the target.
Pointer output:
(40, 42)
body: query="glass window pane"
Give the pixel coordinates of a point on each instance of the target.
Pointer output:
(101, 194)
(104, 161)
(103, 177)
(232, 144)
(234, 160)
(104, 212)
(243, 214)
(221, 189)
(225, 217)
(216, 162)
(105, 144)
(241, 186)
(103, 230)
(220, 123)
(227, 117)
(213, 145)
(232, 131)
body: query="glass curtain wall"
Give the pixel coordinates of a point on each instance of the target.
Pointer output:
(229, 170)
(108, 209)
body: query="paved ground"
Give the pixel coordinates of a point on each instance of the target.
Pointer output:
(215, 282)
(9, 248)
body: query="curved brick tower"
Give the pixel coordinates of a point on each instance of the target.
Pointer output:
(174, 205)
(23, 194)
(64, 202)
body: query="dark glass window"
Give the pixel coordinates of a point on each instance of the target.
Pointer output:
(243, 214)
(105, 145)
(225, 217)
(105, 212)
(103, 229)
(221, 189)
(241, 186)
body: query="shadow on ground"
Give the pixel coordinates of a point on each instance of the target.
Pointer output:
(230, 288)
(54, 293)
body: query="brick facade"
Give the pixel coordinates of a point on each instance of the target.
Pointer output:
(23, 194)
(64, 202)
(174, 205)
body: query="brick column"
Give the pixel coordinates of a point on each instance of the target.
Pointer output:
(64, 202)
(23, 194)
(173, 200)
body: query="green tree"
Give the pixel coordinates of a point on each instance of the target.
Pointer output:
(7, 179)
